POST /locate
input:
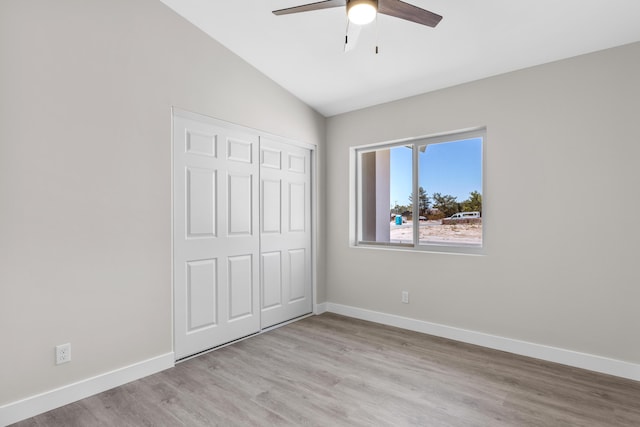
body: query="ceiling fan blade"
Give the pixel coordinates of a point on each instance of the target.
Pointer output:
(311, 6)
(409, 12)
(351, 39)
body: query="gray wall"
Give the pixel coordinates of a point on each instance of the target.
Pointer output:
(560, 208)
(86, 88)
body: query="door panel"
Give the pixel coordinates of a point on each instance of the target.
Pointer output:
(271, 206)
(297, 207)
(240, 209)
(285, 234)
(201, 143)
(216, 234)
(297, 164)
(270, 158)
(201, 202)
(240, 151)
(201, 294)
(271, 279)
(240, 286)
(297, 273)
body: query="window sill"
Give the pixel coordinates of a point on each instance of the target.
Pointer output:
(471, 250)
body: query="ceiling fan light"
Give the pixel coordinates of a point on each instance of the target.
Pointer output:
(362, 12)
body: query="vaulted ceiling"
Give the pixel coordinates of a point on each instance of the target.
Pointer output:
(304, 52)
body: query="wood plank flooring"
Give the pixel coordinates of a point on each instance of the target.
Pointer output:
(331, 370)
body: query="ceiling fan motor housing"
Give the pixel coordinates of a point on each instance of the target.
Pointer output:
(362, 12)
(355, 2)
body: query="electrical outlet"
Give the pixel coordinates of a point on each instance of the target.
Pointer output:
(63, 353)
(405, 297)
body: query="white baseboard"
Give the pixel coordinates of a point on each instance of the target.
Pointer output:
(321, 308)
(552, 354)
(34, 405)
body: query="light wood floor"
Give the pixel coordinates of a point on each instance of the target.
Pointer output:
(330, 370)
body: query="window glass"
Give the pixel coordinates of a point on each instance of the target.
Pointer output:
(450, 192)
(424, 193)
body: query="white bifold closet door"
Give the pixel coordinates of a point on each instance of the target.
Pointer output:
(216, 235)
(285, 231)
(241, 232)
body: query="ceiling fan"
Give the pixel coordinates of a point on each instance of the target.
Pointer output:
(362, 12)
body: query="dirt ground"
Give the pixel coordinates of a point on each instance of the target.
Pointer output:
(435, 232)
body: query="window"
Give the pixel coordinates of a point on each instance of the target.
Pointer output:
(424, 194)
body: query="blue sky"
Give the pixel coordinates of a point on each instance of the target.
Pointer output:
(453, 168)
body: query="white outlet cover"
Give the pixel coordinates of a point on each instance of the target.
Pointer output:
(63, 353)
(405, 297)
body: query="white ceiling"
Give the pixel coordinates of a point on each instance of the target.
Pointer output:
(476, 39)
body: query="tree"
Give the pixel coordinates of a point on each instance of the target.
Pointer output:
(446, 204)
(423, 201)
(473, 203)
(399, 209)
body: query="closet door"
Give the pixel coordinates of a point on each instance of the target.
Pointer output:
(285, 231)
(216, 234)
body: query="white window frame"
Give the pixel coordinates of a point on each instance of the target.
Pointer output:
(355, 199)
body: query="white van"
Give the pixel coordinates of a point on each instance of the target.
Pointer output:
(464, 215)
